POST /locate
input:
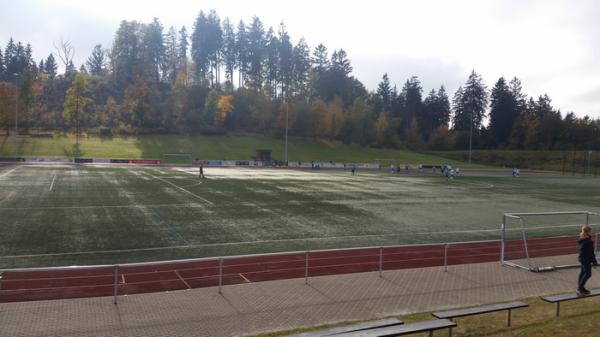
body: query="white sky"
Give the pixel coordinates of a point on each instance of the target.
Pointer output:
(551, 45)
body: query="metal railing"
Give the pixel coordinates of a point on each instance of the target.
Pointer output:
(314, 263)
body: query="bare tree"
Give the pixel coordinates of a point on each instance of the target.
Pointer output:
(66, 53)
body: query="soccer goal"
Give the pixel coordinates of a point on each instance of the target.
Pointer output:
(544, 241)
(178, 158)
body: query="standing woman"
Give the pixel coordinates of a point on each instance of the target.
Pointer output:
(586, 258)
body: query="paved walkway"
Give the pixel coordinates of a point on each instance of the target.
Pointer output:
(248, 309)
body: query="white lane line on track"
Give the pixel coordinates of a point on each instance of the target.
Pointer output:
(181, 188)
(182, 280)
(52, 184)
(245, 279)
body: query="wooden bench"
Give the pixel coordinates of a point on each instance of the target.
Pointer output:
(451, 314)
(568, 297)
(350, 328)
(406, 329)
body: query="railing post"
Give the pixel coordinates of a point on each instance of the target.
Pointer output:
(116, 284)
(587, 218)
(306, 267)
(220, 274)
(381, 261)
(502, 239)
(446, 257)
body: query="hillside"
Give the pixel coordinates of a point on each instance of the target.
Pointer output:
(215, 147)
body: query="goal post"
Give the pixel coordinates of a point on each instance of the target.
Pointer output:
(543, 241)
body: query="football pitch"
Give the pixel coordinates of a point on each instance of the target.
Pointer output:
(78, 215)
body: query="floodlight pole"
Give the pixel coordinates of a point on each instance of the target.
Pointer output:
(287, 109)
(471, 136)
(16, 114)
(589, 158)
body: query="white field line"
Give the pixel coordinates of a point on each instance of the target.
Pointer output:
(181, 188)
(52, 184)
(237, 243)
(196, 184)
(95, 206)
(8, 172)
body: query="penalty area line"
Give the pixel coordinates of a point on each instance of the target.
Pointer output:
(52, 184)
(181, 188)
(8, 172)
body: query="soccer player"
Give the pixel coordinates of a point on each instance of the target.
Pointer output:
(201, 172)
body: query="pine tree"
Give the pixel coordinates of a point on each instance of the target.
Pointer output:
(182, 52)
(11, 61)
(470, 110)
(242, 52)
(285, 52)
(384, 95)
(97, 61)
(320, 58)
(126, 54)
(272, 62)
(153, 51)
(256, 53)
(301, 67)
(502, 112)
(215, 46)
(183, 44)
(51, 66)
(229, 52)
(412, 103)
(200, 51)
(41, 67)
(2, 70)
(441, 116)
(171, 63)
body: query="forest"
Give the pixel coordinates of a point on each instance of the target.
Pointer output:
(220, 77)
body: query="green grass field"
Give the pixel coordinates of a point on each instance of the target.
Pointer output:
(236, 147)
(64, 215)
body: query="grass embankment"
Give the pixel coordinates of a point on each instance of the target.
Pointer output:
(239, 147)
(578, 318)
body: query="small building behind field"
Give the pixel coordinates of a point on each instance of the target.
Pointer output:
(263, 155)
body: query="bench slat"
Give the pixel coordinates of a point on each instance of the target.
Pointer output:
(349, 328)
(400, 330)
(569, 296)
(479, 310)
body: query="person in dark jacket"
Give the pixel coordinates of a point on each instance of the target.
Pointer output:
(587, 258)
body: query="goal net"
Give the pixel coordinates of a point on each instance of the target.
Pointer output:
(544, 241)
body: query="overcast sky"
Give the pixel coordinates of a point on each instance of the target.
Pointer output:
(552, 46)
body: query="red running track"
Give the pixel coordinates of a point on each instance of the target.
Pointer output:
(60, 283)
